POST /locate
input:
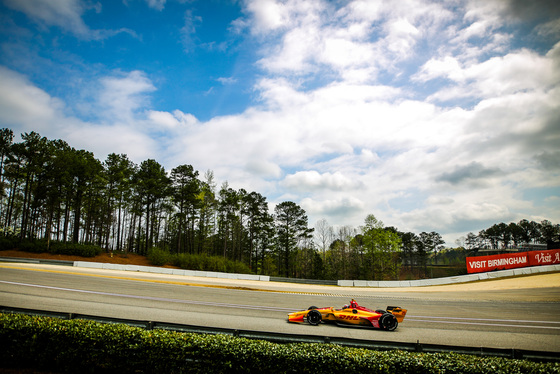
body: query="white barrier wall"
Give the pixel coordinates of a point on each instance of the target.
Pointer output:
(159, 270)
(450, 280)
(341, 283)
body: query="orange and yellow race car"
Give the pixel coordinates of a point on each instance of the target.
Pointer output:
(352, 314)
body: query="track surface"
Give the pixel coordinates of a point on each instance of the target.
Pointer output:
(492, 314)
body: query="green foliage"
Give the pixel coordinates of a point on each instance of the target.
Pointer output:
(209, 263)
(502, 235)
(7, 243)
(382, 247)
(450, 256)
(31, 246)
(74, 249)
(53, 247)
(159, 257)
(291, 228)
(83, 346)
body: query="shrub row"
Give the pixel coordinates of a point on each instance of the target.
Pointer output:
(43, 343)
(54, 247)
(159, 257)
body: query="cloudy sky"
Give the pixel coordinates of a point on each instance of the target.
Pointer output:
(432, 115)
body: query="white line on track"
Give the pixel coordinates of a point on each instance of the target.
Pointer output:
(486, 324)
(485, 319)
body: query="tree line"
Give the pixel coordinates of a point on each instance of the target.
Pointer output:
(51, 192)
(374, 251)
(513, 235)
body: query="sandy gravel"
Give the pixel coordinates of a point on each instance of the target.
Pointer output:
(520, 282)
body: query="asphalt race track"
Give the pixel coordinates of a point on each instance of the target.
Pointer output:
(476, 316)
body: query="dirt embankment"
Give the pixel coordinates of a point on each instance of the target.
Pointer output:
(128, 259)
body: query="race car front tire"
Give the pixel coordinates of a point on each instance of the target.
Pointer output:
(388, 322)
(314, 317)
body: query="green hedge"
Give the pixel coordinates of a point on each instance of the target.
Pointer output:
(159, 257)
(43, 343)
(74, 249)
(54, 247)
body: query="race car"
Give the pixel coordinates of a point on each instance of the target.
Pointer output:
(352, 314)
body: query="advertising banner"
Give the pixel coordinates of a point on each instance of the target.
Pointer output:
(497, 262)
(549, 257)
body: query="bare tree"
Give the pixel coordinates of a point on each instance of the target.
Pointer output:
(324, 235)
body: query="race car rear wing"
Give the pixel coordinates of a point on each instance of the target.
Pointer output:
(398, 312)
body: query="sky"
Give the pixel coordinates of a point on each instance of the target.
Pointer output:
(431, 115)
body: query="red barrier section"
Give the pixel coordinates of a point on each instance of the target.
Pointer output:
(549, 257)
(511, 261)
(496, 262)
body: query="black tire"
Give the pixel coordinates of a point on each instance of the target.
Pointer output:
(380, 311)
(314, 317)
(388, 322)
(312, 307)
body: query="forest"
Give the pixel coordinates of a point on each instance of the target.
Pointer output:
(59, 196)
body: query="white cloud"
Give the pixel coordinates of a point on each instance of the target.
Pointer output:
(341, 53)
(271, 15)
(66, 14)
(551, 28)
(264, 168)
(156, 4)
(296, 53)
(163, 119)
(340, 208)
(188, 31)
(25, 108)
(268, 14)
(24, 104)
(362, 10)
(439, 200)
(307, 181)
(112, 138)
(518, 71)
(401, 37)
(355, 41)
(279, 93)
(227, 81)
(123, 94)
(447, 67)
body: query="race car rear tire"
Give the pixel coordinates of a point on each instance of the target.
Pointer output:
(312, 307)
(388, 322)
(380, 311)
(314, 317)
